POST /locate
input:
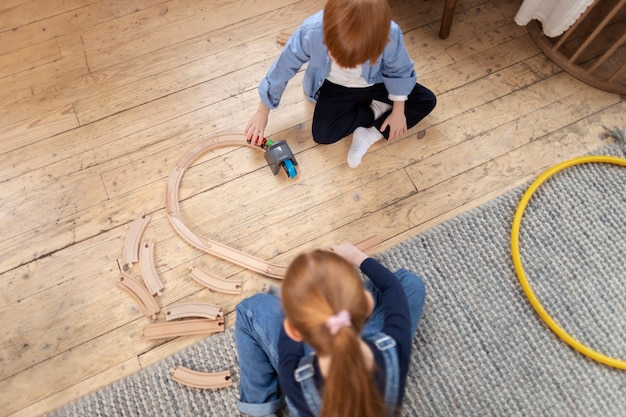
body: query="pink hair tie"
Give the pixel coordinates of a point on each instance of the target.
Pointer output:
(337, 321)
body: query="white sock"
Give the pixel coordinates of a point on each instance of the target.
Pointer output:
(362, 139)
(379, 108)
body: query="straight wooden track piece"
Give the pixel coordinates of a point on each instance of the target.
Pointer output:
(187, 310)
(148, 270)
(214, 283)
(183, 328)
(133, 240)
(139, 291)
(202, 380)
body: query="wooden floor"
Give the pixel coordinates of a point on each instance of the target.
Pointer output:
(100, 99)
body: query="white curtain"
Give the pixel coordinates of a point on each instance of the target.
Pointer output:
(556, 16)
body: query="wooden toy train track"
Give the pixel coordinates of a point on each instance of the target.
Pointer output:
(213, 247)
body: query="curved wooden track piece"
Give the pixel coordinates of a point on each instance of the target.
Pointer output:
(203, 380)
(140, 293)
(225, 252)
(183, 328)
(186, 310)
(148, 270)
(210, 246)
(133, 240)
(212, 282)
(207, 245)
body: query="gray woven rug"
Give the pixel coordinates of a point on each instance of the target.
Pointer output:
(480, 350)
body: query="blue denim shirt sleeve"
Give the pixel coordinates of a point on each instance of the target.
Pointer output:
(306, 45)
(394, 67)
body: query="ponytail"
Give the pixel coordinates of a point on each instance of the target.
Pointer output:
(320, 291)
(349, 387)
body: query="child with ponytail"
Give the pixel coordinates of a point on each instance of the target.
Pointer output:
(331, 344)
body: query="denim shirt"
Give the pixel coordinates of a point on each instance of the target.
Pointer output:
(394, 67)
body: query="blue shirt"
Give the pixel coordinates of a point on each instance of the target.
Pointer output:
(397, 325)
(394, 67)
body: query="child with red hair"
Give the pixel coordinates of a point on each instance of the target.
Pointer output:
(331, 344)
(358, 73)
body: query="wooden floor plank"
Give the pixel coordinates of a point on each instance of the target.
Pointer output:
(9, 4)
(20, 98)
(76, 85)
(16, 14)
(190, 99)
(87, 385)
(20, 135)
(29, 57)
(38, 382)
(77, 193)
(191, 72)
(531, 124)
(94, 140)
(62, 23)
(176, 21)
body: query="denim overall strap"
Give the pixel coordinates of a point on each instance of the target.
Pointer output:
(384, 343)
(304, 375)
(387, 346)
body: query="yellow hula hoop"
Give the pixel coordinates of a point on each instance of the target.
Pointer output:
(517, 220)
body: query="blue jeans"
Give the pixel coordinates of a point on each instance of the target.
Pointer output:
(257, 328)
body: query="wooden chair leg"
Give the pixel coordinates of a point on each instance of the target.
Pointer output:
(446, 20)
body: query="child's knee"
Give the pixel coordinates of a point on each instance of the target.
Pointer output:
(323, 135)
(424, 98)
(250, 304)
(432, 102)
(414, 286)
(322, 139)
(259, 308)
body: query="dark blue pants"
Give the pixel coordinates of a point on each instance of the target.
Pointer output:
(340, 110)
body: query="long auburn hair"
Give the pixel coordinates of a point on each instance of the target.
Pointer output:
(356, 31)
(317, 285)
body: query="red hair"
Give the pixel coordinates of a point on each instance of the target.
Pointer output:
(356, 31)
(317, 285)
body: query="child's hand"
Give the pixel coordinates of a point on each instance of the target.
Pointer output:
(397, 125)
(255, 129)
(396, 121)
(349, 252)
